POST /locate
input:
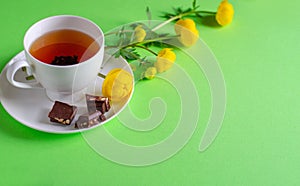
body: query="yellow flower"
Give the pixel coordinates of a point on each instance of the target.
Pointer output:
(150, 73)
(187, 30)
(225, 13)
(164, 60)
(139, 34)
(117, 85)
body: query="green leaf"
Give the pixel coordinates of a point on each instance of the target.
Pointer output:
(133, 25)
(175, 10)
(129, 53)
(198, 15)
(148, 44)
(159, 44)
(121, 31)
(194, 4)
(28, 78)
(148, 13)
(187, 10)
(179, 10)
(117, 54)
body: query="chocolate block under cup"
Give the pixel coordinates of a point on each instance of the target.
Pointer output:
(62, 113)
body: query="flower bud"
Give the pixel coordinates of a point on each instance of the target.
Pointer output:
(225, 13)
(139, 34)
(150, 72)
(164, 60)
(187, 31)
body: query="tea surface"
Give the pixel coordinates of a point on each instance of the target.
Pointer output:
(64, 43)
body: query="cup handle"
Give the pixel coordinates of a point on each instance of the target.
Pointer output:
(11, 71)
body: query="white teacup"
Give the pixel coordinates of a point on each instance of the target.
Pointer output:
(60, 82)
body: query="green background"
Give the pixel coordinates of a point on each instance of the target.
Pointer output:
(258, 143)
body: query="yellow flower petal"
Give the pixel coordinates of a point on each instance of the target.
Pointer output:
(187, 31)
(225, 13)
(167, 53)
(139, 34)
(164, 60)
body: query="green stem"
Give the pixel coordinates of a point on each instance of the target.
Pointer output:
(206, 12)
(150, 41)
(101, 75)
(135, 56)
(166, 22)
(173, 19)
(149, 50)
(180, 16)
(142, 43)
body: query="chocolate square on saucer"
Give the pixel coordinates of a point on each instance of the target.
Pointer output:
(62, 113)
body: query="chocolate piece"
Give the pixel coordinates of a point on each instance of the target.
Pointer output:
(88, 120)
(99, 103)
(102, 117)
(62, 113)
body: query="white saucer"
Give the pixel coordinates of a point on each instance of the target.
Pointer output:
(31, 106)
